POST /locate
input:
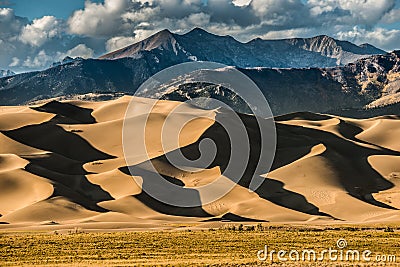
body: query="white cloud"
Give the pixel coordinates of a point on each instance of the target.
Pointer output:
(198, 19)
(45, 59)
(41, 60)
(383, 38)
(144, 30)
(292, 33)
(241, 2)
(273, 8)
(350, 12)
(367, 11)
(140, 15)
(98, 19)
(10, 24)
(80, 50)
(123, 22)
(119, 42)
(40, 31)
(180, 8)
(392, 17)
(15, 62)
(114, 24)
(6, 14)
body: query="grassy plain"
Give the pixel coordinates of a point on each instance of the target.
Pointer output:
(218, 247)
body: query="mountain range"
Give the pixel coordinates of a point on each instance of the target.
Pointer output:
(294, 74)
(198, 44)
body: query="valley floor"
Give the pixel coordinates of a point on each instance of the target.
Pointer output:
(211, 247)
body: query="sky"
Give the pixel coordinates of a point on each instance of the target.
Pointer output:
(36, 33)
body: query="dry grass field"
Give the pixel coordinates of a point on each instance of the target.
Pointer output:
(218, 247)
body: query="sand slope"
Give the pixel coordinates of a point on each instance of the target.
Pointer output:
(63, 163)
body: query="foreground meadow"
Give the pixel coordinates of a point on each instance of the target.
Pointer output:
(218, 247)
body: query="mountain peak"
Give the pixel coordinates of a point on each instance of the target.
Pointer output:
(365, 45)
(199, 44)
(198, 30)
(322, 36)
(322, 39)
(372, 48)
(164, 32)
(161, 39)
(157, 39)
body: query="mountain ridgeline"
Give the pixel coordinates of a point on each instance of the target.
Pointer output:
(317, 74)
(319, 51)
(367, 87)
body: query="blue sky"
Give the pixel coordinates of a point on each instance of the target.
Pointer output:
(38, 8)
(35, 33)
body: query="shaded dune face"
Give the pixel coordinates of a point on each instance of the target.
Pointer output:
(67, 153)
(350, 160)
(270, 189)
(326, 169)
(159, 206)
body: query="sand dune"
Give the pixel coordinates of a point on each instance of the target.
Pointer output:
(62, 163)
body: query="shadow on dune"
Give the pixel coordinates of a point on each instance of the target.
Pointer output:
(303, 116)
(233, 218)
(67, 113)
(270, 189)
(291, 146)
(350, 131)
(356, 175)
(150, 184)
(64, 166)
(57, 163)
(68, 152)
(74, 187)
(50, 137)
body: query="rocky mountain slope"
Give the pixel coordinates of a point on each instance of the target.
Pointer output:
(371, 83)
(79, 77)
(6, 73)
(368, 87)
(198, 44)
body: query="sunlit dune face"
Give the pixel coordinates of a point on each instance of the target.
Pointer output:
(69, 167)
